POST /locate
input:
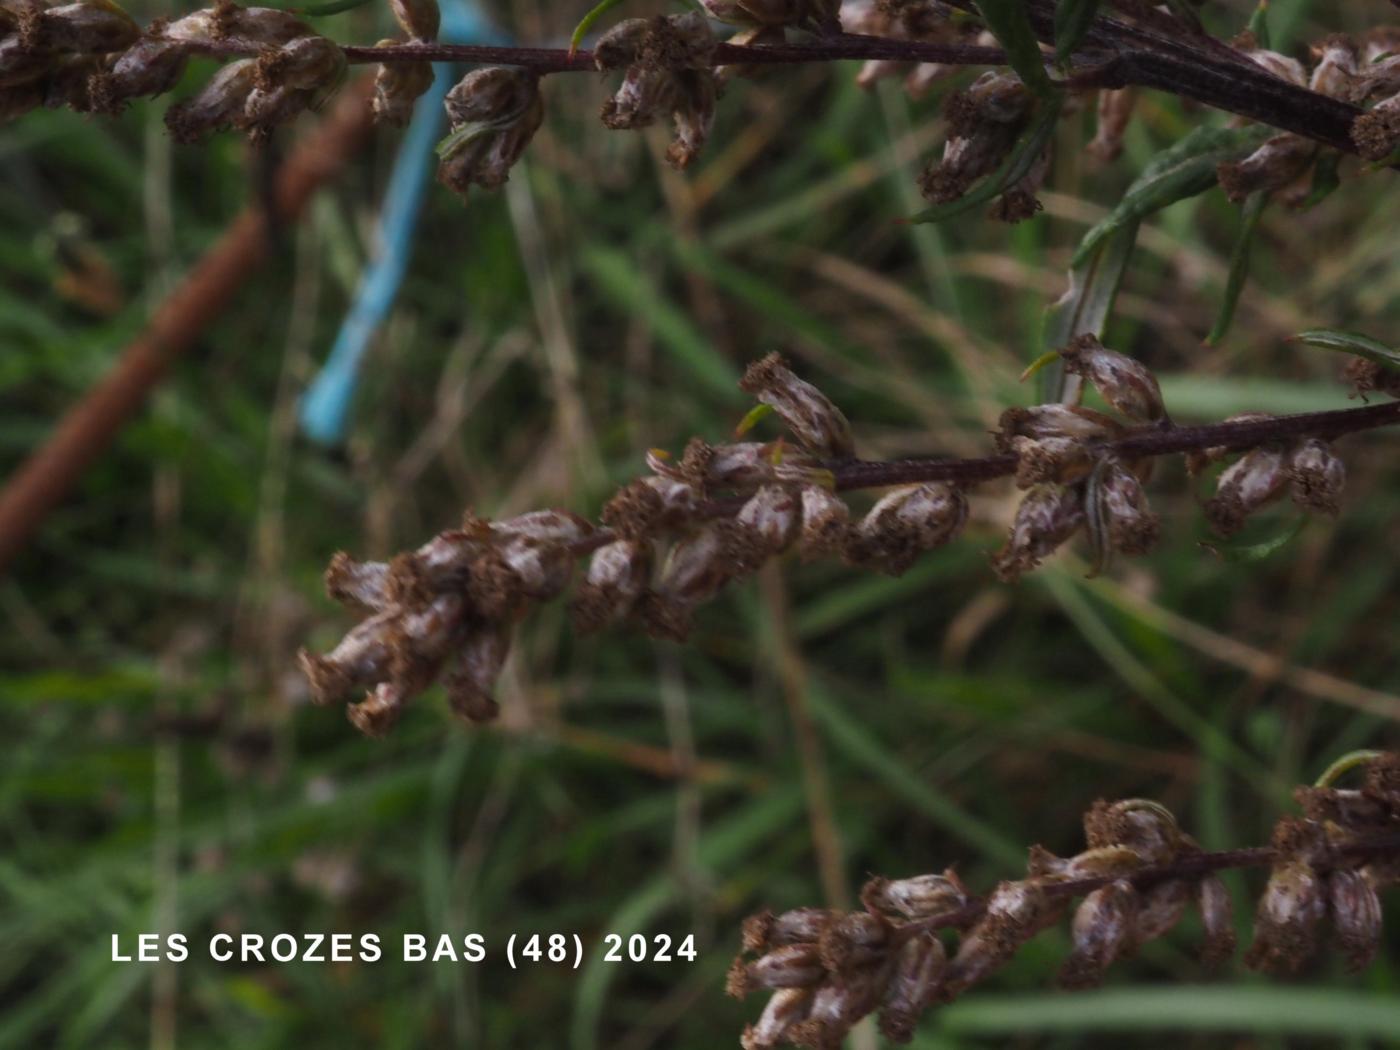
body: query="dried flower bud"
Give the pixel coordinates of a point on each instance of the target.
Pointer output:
(419, 19)
(1045, 519)
(1016, 912)
(268, 26)
(1217, 920)
(905, 523)
(765, 931)
(471, 678)
(915, 898)
(639, 508)
(643, 97)
(791, 966)
(1382, 782)
(785, 1009)
(1334, 74)
(1117, 513)
(1055, 421)
(1246, 485)
(1317, 476)
(1356, 917)
(1368, 377)
(854, 941)
(1271, 167)
(617, 578)
(378, 712)
(1287, 919)
(88, 28)
(148, 68)
(1143, 825)
(693, 116)
(494, 113)
(1102, 929)
(291, 79)
(694, 572)
(361, 657)
(764, 527)
(825, 523)
(1115, 110)
(1058, 460)
(623, 44)
(216, 106)
(913, 986)
(815, 422)
(397, 86)
(1281, 66)
(1159, 910)
(1377, 131)
(362, 583)
(1125, 384)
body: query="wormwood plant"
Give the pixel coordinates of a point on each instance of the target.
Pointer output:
(715, 512)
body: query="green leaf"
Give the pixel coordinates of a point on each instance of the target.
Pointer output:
(1182, 170)
(1350, 343)
(1012, 170)
(1087, 302)
(1250, 553)
(1072, 20)
(1331, 1014)
(1259, 25)
(1011, 25)
(1239, 264)
(588, 21)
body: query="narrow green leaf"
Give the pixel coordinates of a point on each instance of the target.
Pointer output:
(1259, 24)
(588, 21)
(1250, 553)
(1350, 343)
(1182, 170)
(1072, 20)
(1086, 304)
(1239, 265)
(1011, 25)
(1012, 170)
(752, 418)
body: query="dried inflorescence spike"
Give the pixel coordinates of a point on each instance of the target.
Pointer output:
(817, 424)
(494, 113)
(904, 524)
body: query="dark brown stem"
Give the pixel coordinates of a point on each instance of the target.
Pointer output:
(1187, 867)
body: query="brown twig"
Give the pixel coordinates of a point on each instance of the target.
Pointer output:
(89, 426)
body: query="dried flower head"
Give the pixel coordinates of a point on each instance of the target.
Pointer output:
(904, 524)
(1125, 384)
(1253, 480)
(816, 423)
(1047, 517)
(1317, 476)
(494, 112)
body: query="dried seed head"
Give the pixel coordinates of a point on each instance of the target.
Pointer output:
(1115, 110)
(361, 658)
(361, 583)
(216, 106)
(149, 67)
(1356, 917)
(397, 86)
(1016, 912)
(1055, 421)
(913, 986)
(1377, 131)
(836, 1008)
(1046, 518)
(784, 1010)
(1159, 910)
(1368, 377)
(855, 941)
(471, 679)
(1143, 825)
(1102, 929)
(1286, 921)
(494, 113)
(644, 505)
(765, 931)
(693, 116)
(1118, 514)
(765, 526)
(419, 19)
(643, 97)
(617, 578)
(1271, 167)
(87, 29)
(1251, 481)
(905, 523)
(622, 45)
(1054, 460)
(1125, 384)
(1281, 66)
(825, 523)
(1217, 920)
(268, 26)
(1335, 71)
(695, 570)
(815, 422)
(915, 898)
(791, 966)
(1317, 476)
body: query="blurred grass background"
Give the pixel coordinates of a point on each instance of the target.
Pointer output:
(163, 771)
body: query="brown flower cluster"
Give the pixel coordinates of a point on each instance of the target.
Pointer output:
(1140, 873)
(671, 540)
